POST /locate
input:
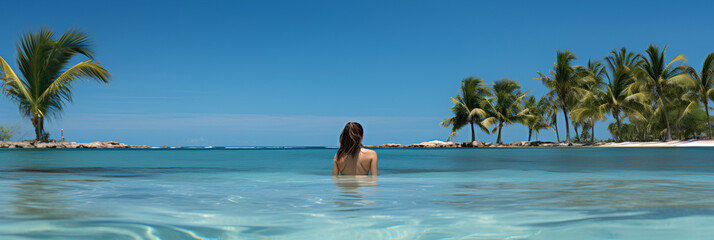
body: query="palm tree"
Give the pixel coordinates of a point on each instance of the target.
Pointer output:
(505, 105)
(46, 82)
(551, 113)
(468, 107)
(537, 119)
(656, 77)
(703, 87)
(620, 76)
(563, 84)
(590, 108)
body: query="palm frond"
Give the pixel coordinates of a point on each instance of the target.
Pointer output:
(86, 70)
(16, 88)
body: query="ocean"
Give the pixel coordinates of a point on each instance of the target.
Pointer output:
(288, 193)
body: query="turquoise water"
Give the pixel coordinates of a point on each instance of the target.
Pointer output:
(518, 193)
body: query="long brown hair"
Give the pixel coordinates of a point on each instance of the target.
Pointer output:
(350, 140)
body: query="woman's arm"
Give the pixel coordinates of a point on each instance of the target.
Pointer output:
(335, 171)
(373, 165)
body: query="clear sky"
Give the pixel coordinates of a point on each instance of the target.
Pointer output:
(266, 73)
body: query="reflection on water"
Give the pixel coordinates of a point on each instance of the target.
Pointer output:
(39, 195)
(40, 198)
(352, 191)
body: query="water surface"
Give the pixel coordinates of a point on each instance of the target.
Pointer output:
(517, 193)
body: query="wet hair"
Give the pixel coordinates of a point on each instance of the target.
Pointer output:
(350, 140)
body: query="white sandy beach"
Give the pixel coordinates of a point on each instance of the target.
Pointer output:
(686, 143)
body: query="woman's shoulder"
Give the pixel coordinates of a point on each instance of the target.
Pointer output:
(368, 151)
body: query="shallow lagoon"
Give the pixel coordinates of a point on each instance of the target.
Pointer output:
(515, 193)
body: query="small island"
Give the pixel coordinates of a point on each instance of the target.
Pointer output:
(57, 144)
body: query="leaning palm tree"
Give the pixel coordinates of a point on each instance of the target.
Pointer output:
(656, 77)
(703, 87)
(468, 107)
(563, 84)
(46, 82)
(505, 105)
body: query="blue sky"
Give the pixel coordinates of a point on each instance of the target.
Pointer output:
(265, 73)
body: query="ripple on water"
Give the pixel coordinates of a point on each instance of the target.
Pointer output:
(288, 194)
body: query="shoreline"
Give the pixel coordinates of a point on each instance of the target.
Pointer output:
(430, 144)
(35, 144)
(676, 143)
(480, 144)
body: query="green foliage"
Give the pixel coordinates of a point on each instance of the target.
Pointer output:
(564, 82)
(537, 118)
(589, 110)
(620, 75)
(649, 98)
(505, 107)
(551, 113)
(46, 81)
(6, 133)
(44, 137)
(660, 81)
(468, 107)
(703, 89)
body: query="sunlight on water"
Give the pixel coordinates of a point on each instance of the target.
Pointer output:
(587, 193)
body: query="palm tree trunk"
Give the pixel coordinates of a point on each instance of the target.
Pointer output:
(37, 122)
(555, 122)
(567, 125)
(530, 131)
(37, 129)
(575, 127)
(498, 140)
(617, 127)
(473, 135)
(42, 129)
(592, 133)
(709, 124)
(666, 119)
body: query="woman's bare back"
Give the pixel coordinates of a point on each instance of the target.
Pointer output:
(365, 162)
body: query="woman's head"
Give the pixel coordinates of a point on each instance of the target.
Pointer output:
(350, 140)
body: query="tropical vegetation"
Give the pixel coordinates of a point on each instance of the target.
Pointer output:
(647, 97)
(703, 90)
(537, 118)
(504, 106)
(468, 107)
(47, 77)
(564, 84)
(6, 133)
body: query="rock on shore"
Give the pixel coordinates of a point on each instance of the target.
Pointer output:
(35, 144)
(480, 144)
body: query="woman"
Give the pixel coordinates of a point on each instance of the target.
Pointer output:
(351, 158)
